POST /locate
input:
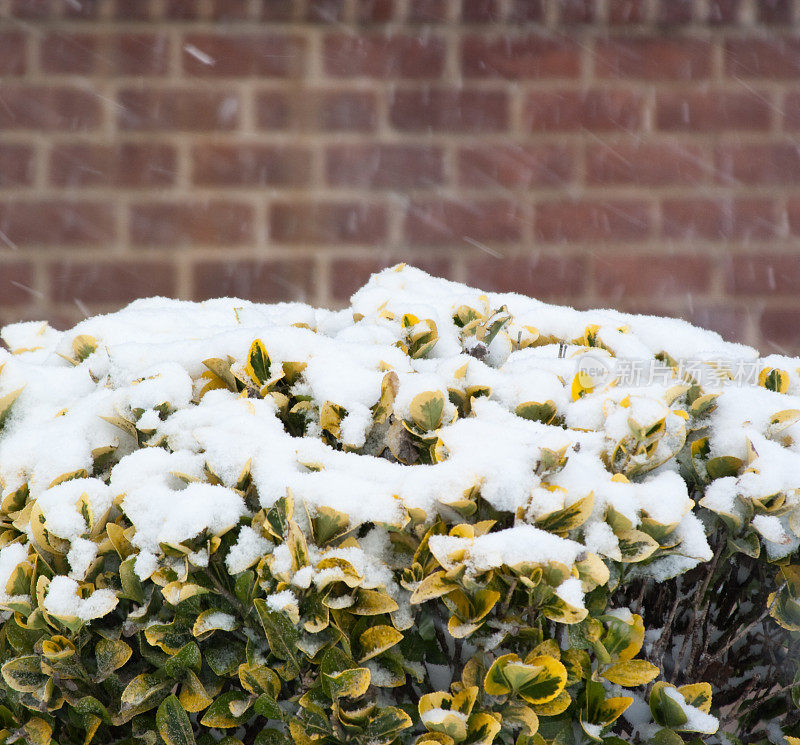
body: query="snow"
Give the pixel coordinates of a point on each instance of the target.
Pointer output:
(62, 599)
(696, 720)
(11, 556)
(215, 620)
(512, 547)
(248, 549)
(146, 371)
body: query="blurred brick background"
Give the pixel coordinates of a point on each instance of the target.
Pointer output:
(641, 154)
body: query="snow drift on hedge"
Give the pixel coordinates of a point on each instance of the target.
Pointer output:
(121, 414)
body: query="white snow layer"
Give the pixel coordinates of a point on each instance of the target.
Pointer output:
(147, 366)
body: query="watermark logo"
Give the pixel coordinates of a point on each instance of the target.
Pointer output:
(595, 369)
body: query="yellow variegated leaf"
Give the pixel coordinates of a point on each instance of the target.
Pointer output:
(774, 380)
(377, 639)
(348, 683)
(631, 673)
(427, 409)
(697, 695)
(258, 363)
(555, 707)
(193, 695)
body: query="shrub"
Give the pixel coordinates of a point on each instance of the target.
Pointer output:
(436, 517)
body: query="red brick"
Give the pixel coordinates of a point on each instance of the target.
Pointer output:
(793, 215)
(69, 54)
(531, 56)
(624, 12)
(754, 219)
(607, 220)
(427, 11)
(215, 223)
(123, 164)
(462, 222)
(758, 164)
(730, 323)
(525, 11)
(31, 9)
(653, 58)
(650, 276)
(16, 165)
(674, 12)
(12, 53)
(714, 219)
(325, 11)
(16, 282)
(480, 11)
(55, 222)
(84, 10)
(777, 57)
(138, 54)
(277, 11)
(696, 218)
(348, 275)
(791, 112)
(449, 110)
(320, 223)
(712, 111)
(781, 327)
(317, 110)
(182, 10)
(382, 56)
(243, 55)
(593, 110)
(537, 275)
(177, 109)
(266, 280)
(229, 10)
(62, 109)
(384, 166)
(250, 165)
(723, 12)
(576, 11)
(646, 164)
(124, 10)
(116, 282)
(515, 166)
(775, 11)
(763, 274)
(375, 11)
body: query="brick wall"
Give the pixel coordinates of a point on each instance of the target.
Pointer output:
(632, 153)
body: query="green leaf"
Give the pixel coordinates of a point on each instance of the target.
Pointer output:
(281, 634)
(348, 683)
(384, 727)
(111, 654)
(131, 585)
(666, 711)
(724, 465)
(632, 673)
(272, 737)
(257, 366)
(173, 723)
(24, 674)
(187, 657)
(6, 403)
(268, 707)
(537, 412)
(143, 688)
(426, 410)
(378, 639)
(221, 716)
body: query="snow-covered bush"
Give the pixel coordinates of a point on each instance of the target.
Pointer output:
(436, 517)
